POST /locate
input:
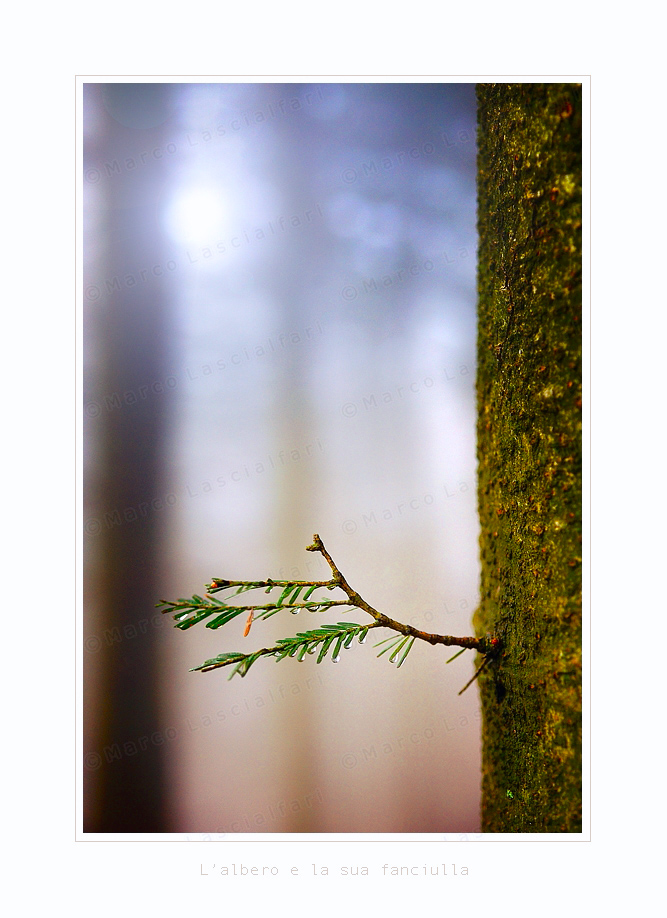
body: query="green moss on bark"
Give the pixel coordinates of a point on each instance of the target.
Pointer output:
(529, 453)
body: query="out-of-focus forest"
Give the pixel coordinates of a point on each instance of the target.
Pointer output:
(279, 339)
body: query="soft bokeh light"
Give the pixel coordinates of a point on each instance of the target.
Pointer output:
(280, 336)
(197, 214)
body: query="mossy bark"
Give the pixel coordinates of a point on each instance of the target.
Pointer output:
(529, 453)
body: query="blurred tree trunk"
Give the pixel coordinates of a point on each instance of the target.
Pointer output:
(126, 778)
(529, 453)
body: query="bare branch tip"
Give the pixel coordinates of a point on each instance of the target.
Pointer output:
(316, 544)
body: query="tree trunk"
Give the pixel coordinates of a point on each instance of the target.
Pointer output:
(529, 453)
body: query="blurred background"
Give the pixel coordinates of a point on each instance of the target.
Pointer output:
(279, 339)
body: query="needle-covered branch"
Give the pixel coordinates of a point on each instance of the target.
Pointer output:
(339, 636)
(299, 596)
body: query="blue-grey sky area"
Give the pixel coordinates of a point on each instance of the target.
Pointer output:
(279, 339)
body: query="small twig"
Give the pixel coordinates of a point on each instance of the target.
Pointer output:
(487, 659)
(189, 612)
(324, 603)
(286, 647)
(218, 583)
(482, 645)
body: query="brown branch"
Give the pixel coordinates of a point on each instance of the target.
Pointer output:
(482, 645)
(479, 670)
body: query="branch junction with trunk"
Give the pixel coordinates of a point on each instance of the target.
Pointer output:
(295, 596)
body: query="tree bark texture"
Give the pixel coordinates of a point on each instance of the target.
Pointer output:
(529, 390)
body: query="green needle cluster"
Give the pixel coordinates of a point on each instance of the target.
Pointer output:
(298, 596)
